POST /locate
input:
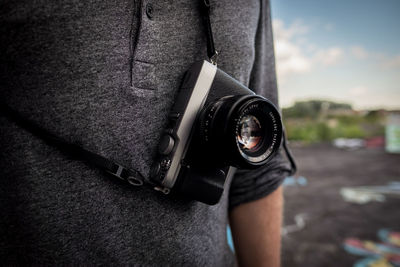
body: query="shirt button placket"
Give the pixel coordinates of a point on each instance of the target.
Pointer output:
(144, 78)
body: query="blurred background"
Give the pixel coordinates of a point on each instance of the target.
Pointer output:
(338, 66)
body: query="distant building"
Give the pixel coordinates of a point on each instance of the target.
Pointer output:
(392, 132)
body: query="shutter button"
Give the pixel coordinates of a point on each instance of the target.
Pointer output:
(149, 11)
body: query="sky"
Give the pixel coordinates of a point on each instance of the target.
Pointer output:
(345, 51)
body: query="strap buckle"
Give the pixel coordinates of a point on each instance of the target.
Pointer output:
(214, 58)
(125, 174)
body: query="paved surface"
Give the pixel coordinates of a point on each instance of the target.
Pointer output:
(329, 220)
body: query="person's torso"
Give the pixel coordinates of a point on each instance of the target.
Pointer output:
(104, 74)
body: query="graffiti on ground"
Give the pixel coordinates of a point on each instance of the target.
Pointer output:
(293, 181)
(365, 194)
(377, 254)
(300, 223)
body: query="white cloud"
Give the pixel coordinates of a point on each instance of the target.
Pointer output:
(380, 59)
(289, 55)
(330, 56)
(359, 52)
(295, 54)
(296, 28)
(392, 63)
(358, 91)
(372, 98)
(290, 58)
(311, 48)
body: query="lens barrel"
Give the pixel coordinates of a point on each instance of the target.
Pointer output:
(244, 130)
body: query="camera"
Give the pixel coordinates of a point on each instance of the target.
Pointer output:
(216, 125)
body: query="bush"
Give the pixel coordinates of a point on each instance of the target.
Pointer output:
(309, 132)
(348, 131)
(305, 122)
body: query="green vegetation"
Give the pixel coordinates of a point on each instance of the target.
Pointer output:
(312, 108)
(317, 121)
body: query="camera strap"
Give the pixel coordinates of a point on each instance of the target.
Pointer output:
(74, 150)
(205, 13)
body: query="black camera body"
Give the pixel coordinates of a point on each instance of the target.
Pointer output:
(216, 124)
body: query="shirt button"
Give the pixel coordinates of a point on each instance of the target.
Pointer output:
(149, 11)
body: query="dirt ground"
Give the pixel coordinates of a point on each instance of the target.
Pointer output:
(329, 220)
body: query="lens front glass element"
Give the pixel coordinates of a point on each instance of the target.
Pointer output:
(250, 134)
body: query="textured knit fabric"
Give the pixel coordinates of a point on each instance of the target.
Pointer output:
(104, 74)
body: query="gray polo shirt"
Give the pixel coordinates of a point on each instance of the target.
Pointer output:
(104, 74)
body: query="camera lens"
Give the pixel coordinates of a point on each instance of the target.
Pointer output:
(243, 130)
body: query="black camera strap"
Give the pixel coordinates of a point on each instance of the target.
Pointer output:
(74, 150)
(293, 165)
(205, 13)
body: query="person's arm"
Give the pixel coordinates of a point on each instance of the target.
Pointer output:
(256, 231)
